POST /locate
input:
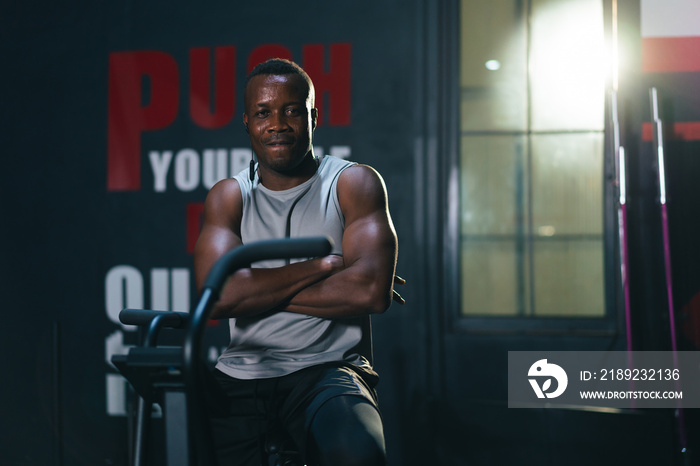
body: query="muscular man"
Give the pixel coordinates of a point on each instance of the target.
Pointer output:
(299, 355)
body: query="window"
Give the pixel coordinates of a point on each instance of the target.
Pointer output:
(532, 119)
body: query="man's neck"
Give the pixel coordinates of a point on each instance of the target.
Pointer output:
(280, 181)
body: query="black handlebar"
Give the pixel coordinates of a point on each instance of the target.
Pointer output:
(245, 255)
(145, 317)
(241, 257)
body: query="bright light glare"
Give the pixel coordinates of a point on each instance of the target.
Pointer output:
(568, 65)
(493, 65)
(546, 230)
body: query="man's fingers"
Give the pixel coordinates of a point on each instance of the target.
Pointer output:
(397, 297)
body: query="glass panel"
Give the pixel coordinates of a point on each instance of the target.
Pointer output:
(492, 184)
(493, 69)
(531, 162)
(493, 248)
(568, 278)
(567, 199)
(567, 65)
(491, 284)
(567, 184)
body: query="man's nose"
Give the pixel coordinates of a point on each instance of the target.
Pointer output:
(278, 122)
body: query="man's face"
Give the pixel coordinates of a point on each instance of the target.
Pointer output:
(280, 120)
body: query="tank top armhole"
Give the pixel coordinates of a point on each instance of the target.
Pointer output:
(245, 186)
(334, 188)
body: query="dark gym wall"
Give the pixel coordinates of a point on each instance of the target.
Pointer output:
(102, 188)
(86, 232)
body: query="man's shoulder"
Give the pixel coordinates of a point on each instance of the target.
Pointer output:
(224, 197)
(361, 186)
(360, 176)
(225, 186)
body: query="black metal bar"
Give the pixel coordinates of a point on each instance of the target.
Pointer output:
(142, 430)
(56, 393)
(243, 256)
(659, 150)
(145, 317)
(156, 320)
(192, 366)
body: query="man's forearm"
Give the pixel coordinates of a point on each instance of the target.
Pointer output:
(252, 291)
(344, 294)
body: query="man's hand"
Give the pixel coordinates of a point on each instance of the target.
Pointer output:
(333, 263)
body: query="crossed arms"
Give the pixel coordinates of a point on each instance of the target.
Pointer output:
(359, 282)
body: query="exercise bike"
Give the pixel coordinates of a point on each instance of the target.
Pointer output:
(178, 379)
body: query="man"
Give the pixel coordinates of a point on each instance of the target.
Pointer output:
(300, 345)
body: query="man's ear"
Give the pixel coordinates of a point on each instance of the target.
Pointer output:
(314, 118)
(245, 122)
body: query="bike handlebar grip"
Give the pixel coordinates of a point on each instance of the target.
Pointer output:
(144, 317)
(244, 256)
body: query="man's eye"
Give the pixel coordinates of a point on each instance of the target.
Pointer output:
(261, 113)
(293, 111)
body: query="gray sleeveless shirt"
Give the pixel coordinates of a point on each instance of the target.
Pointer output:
(278, 343)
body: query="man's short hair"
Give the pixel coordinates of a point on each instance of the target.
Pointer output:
(281, 67)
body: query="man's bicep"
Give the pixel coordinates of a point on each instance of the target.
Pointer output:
(221, 227)
(372, 241)
(213, 243)
(369, 231)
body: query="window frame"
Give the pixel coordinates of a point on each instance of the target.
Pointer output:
(610, 322)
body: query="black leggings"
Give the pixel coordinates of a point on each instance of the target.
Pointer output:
(330, 413)
(346, 430)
